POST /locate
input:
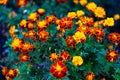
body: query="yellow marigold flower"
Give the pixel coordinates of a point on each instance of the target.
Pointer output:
(83, 2)
(71, 15)
(53, 56)
(23, 23)
(99, 12)
(80, 13)
(33, 17)
(76, 1)
(96, 24)
(90, 76)
(42, 24)
(116, 17)
(12, 31)
(91, 6)
(79, 37)
(22, 2)
(77, 60)
(41, 11)
(3, 2)
(108, 22)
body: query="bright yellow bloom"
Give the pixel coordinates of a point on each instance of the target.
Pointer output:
(99, 12)
(108, 22)
(96, 24)
(77, 60)
(12, 31)
(91, 6)
(3, 2)
(33, 17)
(71, 15)
(80, 13)
(116, 17)
(23, 23)
(41, 11)
(83, 2)
(42, 24)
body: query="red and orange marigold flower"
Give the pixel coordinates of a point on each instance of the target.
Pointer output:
(58, 69)
(111, 55)
(64, 56)
(12, 73)
(26, 47)
(50, 19)
(24, 57)
(90, 76)
(53, 56)
(70, 41)
(22, 2)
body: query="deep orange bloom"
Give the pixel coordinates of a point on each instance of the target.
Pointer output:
(22, 2)
(53, 56)
(4, 1)
(29, 34)
(114, 38)
(26, 47)
(24, 57)
(84, 29)
(12, 73)
(50, 19)
(43, 35)
(112, 55)
(70, 41)
(30, 26)
(90, 76)
(58, 69)
(4, 70)
(64, 56)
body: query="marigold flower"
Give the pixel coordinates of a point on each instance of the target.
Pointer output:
(116, 17)
(53, 56)
(83, 2)
(62, 1)
(77, 60)
(102, 79)
(16, 44)
(23, 23)
(29, 34)
(30, 26)
(22, 2)
(4, 70)
(70, 41)
(24, 57)
(12, 31)
(32, 17)
(99, 12)
(12, 73)
(108, 22)
(41, 11)
(111, 55)
(12, 14)
(91, 6)
(50, 19)
(66, 23)
(61, 29)
(76, 1)
(43, 35)
(80, 13)
(79, 37)
(4, 1)
(114, 38)
(96, 24)
(90, 76)
(58, 69)
(71, 15)
(42, 24)
(26, 47)
(83, 28)
(64, 56)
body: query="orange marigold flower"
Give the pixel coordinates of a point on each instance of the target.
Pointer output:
(58, 69)
(29, 34)
(53, 56)
(41, 11)
(30, 26)
(76, 1)
(77, 60)
(42, 24)
(27, 47)
(16, 44)
(4, 70)
(32, 17)
(102, 79)
(12, 31)
(90, 76)
(22, 2)
(12, 73)
(83, 28)
(71, 15)
(50, 19)
(24, 57)
(66, 23)
(91, 6)
(114, 38)
(23, 23)
(99, 12)
(83, 2)
(43, 35)
(111, 55)
(116, 17)
(70, 41)
(64, 56)
(80, 13)
(4, 1)
(79, 37)
(108, 22)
